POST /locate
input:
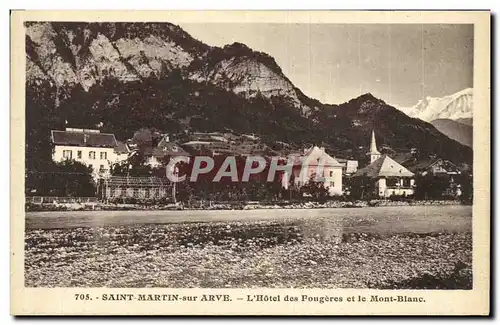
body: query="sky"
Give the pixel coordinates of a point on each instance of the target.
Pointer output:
(334, 63)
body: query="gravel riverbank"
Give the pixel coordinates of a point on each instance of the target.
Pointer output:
(283, 254)
(101, 206)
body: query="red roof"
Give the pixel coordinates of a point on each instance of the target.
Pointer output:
(83, 139)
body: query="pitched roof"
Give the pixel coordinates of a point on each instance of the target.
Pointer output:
(137, 181)
(422, 165)
(345, 161)
(196, 142)
(168, 149)
(315, 155)
(384, 167)
(84, 139)
(403, 158)
(419, 165)
(121, 147)
(247, 149)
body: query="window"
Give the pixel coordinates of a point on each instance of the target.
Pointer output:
(104, 155)
(92, 155)
(332, 184)
(101, 168)
(331, 173)
(79, 154)
(392, 182)
(91, 167)
(67, 154)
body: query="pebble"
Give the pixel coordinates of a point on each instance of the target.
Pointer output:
(152, 255)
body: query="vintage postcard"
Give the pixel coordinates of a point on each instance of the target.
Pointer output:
(250, 163)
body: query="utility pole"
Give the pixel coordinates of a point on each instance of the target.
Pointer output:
(176, 173)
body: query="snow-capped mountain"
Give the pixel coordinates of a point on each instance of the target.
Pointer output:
(450, 115)
(453, 107)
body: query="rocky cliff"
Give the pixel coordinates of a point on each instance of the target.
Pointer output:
(125, 76)
(84, 54)
(249, 73)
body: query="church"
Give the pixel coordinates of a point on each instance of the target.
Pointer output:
(389, 177)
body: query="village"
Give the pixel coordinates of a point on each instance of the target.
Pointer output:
(158, 157)
(135, 171)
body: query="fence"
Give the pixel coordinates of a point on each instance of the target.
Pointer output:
(60, 199)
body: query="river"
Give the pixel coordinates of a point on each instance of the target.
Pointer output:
(394, 219)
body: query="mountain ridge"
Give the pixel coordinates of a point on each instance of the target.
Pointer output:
(128, 76)
(83, 54)
(457, 131)
(455, 106)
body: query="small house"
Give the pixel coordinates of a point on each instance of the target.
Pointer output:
(349, 167)
(163, 151)
(387, 176)
(443, 174)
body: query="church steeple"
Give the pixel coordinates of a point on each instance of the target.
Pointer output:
(374, 153)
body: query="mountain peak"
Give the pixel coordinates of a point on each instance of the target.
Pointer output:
(237, 49)
(237, 45)
(367, 96)
(367, 100)
(453, 107)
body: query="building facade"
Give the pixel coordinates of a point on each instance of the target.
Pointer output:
(438, 171)
(349, 167)
(436, 167)
(139, 188)
(387, 177)
(315, 164)
(89, 147)
(163, 151)
(122, 152)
